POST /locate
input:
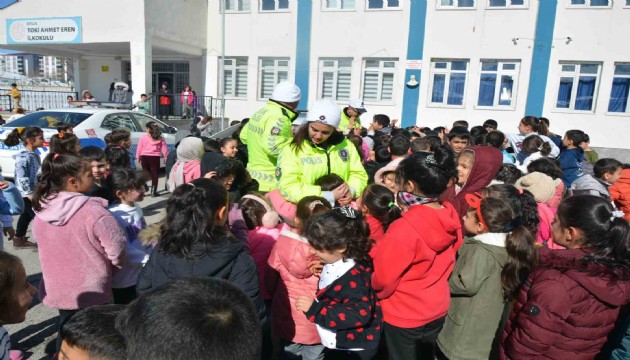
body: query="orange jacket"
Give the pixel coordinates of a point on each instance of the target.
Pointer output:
(620, 193)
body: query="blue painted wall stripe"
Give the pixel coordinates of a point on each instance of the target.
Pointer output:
(303, 48)
(415, 47)
(540, 57)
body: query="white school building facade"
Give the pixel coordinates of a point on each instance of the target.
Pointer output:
(426, 62)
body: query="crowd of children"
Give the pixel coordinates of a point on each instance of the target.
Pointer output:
(460, 244)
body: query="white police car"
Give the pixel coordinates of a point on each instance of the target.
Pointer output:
(90, 126)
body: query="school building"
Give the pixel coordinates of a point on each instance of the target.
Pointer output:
(426, 62)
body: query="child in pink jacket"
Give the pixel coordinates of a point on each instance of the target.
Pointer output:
(264, 228)
(290, 276)
(80, 243)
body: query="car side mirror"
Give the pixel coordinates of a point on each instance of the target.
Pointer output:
(172, 130)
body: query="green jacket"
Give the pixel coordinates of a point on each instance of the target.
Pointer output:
(266, 134)
(297, 172)
(344, 124)
(476, 299)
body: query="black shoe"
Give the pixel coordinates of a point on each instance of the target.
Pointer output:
(155, 193)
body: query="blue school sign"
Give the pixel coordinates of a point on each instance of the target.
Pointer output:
(66, 30)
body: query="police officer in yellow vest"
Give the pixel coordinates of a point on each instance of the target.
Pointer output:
(319, 149)
(268, 132)
(351, 116)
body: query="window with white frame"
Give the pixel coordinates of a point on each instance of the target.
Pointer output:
(619, 91)
(378, 79)
(627, 3)
(585, 3)
(335, 76)
(462, 4)
(236, 5)
(271, 72)
(383, 4)
(448, 82)
(339, 4)
(274, 5)
(498, 83)
(235, 77)
(507, 3)
(577, 90)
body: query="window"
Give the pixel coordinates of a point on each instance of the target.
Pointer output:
(274, 5)
(335, 75)
(464, 4)
(235, 5)
(339, 4)
(497, 83)
(121, 120)
(378, 80)
(578, 83)
(584, 3)
(143, 120)
(235, 73)
(507, 3)
(448, 82)
(619, 92)
(272, 71)
(383, 4)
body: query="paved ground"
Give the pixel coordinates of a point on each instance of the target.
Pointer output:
(40, 326)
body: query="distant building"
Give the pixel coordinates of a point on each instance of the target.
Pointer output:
(33, 65)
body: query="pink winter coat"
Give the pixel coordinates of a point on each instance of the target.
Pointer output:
(546, 216)
(261, 241)
(555, 200)
(80, 245)
(290, 257)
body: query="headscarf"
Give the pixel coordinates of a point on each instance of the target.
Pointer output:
(189, 149)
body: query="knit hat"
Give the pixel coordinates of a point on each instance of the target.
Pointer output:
(325, 111)
(286, 91)
(358, 105)
(542, 186)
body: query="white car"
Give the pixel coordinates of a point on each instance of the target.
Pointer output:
(90, 126)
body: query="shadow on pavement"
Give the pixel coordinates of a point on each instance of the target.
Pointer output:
(155, 208)
(34, 280)
(34, 335)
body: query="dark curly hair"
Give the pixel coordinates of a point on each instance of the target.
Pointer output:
(333, 230)
(521, 203)
(191, 219)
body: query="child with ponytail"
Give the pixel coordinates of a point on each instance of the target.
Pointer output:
(570, 302)
(378, 205)
(346, 310)
(292, 262)
(27, 164)
(65, 143)
(80, 242)
(491, 266)
(415, 258)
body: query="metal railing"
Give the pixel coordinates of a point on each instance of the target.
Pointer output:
(34, 99)
(201, 105)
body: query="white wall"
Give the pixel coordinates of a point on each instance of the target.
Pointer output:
(599, 35)
(361, 34)
(181, 21)
(97, 80)
(475, 35)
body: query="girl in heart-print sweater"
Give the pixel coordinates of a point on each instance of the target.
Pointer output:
(347, 312)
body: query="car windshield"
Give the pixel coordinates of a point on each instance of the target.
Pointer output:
(49, 119)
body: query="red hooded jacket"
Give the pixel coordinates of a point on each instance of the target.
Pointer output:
(488, 161)
(563, 312)
(413, 263)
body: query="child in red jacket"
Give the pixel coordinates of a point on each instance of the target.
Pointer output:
(571, 301)
(416, 257)
(346, 311)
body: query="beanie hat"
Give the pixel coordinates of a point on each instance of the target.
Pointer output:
(542, 186)
(286, 91)
(325, 111)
